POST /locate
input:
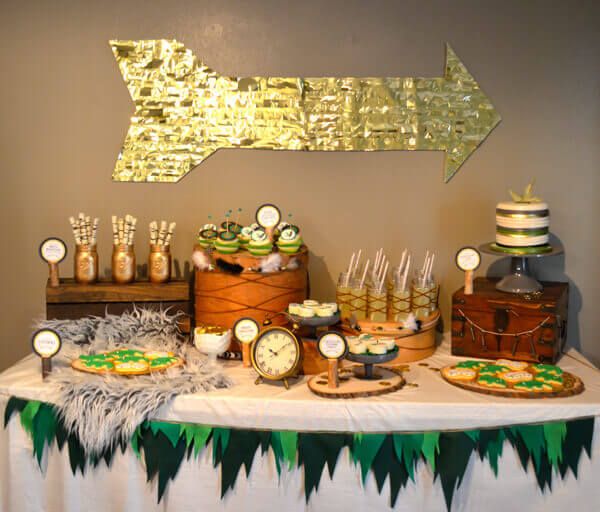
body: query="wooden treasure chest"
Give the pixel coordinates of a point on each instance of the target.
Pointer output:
(493, 324)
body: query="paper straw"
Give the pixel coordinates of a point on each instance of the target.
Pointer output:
(170, 233)
(356, 262)
(362, 281)
(349, 269)
(382, 280)
(405, 274)
(95, 231)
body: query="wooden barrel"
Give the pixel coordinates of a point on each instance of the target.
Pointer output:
(221, 298)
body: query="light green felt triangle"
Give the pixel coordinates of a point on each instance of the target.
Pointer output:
(408, 448)
(171, 430)
(430, 447)
(289, 446)
(27, 415)
(555, 434)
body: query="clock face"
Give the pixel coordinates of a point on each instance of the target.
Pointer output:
(276, 353)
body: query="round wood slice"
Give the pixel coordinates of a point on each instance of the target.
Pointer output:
(353, 387)
(77, 365)
(573, 385)
(393, 328)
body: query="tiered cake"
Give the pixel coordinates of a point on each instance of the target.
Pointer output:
(522, 224)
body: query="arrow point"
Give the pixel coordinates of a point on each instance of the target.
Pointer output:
(479, 117)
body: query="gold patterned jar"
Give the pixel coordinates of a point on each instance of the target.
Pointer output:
(159, 263)
(123, 264)
(86, 264)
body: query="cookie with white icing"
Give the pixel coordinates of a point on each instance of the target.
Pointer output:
(462, 374)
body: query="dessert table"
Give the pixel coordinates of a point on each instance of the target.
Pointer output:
(432, 405)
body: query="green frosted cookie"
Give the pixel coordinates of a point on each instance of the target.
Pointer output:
(162, 361)
(549, 378)
(493, 369)
(99, 364)
(94, 357)
(533, 385)
(123, 352)
(550, 368)
(490, 381)
(471, 365)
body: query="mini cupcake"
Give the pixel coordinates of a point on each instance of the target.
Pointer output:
(306, 312)
(245, 236)
(289, 241)
(207, 237)
(231, 226)
(293, 308)
(377, 348)
(324, 311)
(358, 347)
(310, 303)
(332, 305)
(390, 343)
(227, 242)
(259, 245)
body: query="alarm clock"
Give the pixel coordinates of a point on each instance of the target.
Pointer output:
(276, 354)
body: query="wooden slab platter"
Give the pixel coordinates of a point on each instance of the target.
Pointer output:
(572, 385)
(77, 364)
(351, 386)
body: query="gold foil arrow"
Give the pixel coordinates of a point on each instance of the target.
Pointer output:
(185, 111)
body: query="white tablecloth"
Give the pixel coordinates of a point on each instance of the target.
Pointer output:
(434, 405)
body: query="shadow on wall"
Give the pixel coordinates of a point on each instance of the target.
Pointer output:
(320, 284)
(550, 269)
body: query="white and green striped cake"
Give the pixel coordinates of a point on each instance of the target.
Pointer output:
(522, 224)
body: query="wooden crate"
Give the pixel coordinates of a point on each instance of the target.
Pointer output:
(71, 300)
(488, 309)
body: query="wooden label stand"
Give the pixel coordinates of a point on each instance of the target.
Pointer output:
(468, 260)
(246, 330)
(53, 251)
(332, 346)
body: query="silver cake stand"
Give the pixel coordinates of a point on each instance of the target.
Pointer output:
(520, 279)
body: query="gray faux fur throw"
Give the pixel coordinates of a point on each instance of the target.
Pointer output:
(102, 410)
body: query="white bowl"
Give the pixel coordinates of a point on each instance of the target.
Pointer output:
(211, 344)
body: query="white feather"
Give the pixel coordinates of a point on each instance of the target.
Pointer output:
(410, 322)
(201, 260)
(272, 263)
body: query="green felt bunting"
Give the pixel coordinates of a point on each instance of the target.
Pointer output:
(455, 450)
(366, 451)
(408, 449)
(289, 446)
(557, 445)
(430, 447)
(171, 430)
(14, 404)
(220, 439)
(554, 434)
(28, 414)
(43, 429)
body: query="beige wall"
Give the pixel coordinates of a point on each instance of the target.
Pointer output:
(65, 112)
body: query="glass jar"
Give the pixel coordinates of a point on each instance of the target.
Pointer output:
(86, 264)
(377, 303)
(342, 295)
(123, 264)
(421, 298)
(159, 264)
(399, 304)
(358, 299)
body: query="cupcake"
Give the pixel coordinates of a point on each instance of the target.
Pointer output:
(209, 226)
(377, 348)
(289, 241)
(323, 310)
(332, 305)
(390, 343)
(310, 303)
(207, 237)
(259, 245)
(227, 242)
(357, 347)
(293, 308)
(245, 236)
(306, 312)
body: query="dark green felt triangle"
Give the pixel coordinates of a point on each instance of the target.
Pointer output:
(220, 438)
(76, 454)
(533, 437)
(579, 437)
(312, 454)
(43, 428)
(242, 446)
(277, 450)
(517, 442)
(366, 451)
(170, 461)
(455, 450)
(408, 449)
(13, 404)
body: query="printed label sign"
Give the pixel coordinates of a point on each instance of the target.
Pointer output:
(268, 216)
(46, 343)
(53, 250)
(468, 258)
(246, 330)
(332, 345)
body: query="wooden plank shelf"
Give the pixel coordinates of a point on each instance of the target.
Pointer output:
(71, 300)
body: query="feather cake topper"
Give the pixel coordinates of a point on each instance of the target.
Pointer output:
(526, 197)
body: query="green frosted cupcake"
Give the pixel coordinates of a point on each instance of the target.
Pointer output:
(289, 241)
(245, 236)
(227, 242)
(207, 237)
(260, 245)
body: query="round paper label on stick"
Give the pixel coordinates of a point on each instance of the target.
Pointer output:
(46, 342)
(53, 250)
(468, 258)
(332, 345)
(268, 216)
(246, 330)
